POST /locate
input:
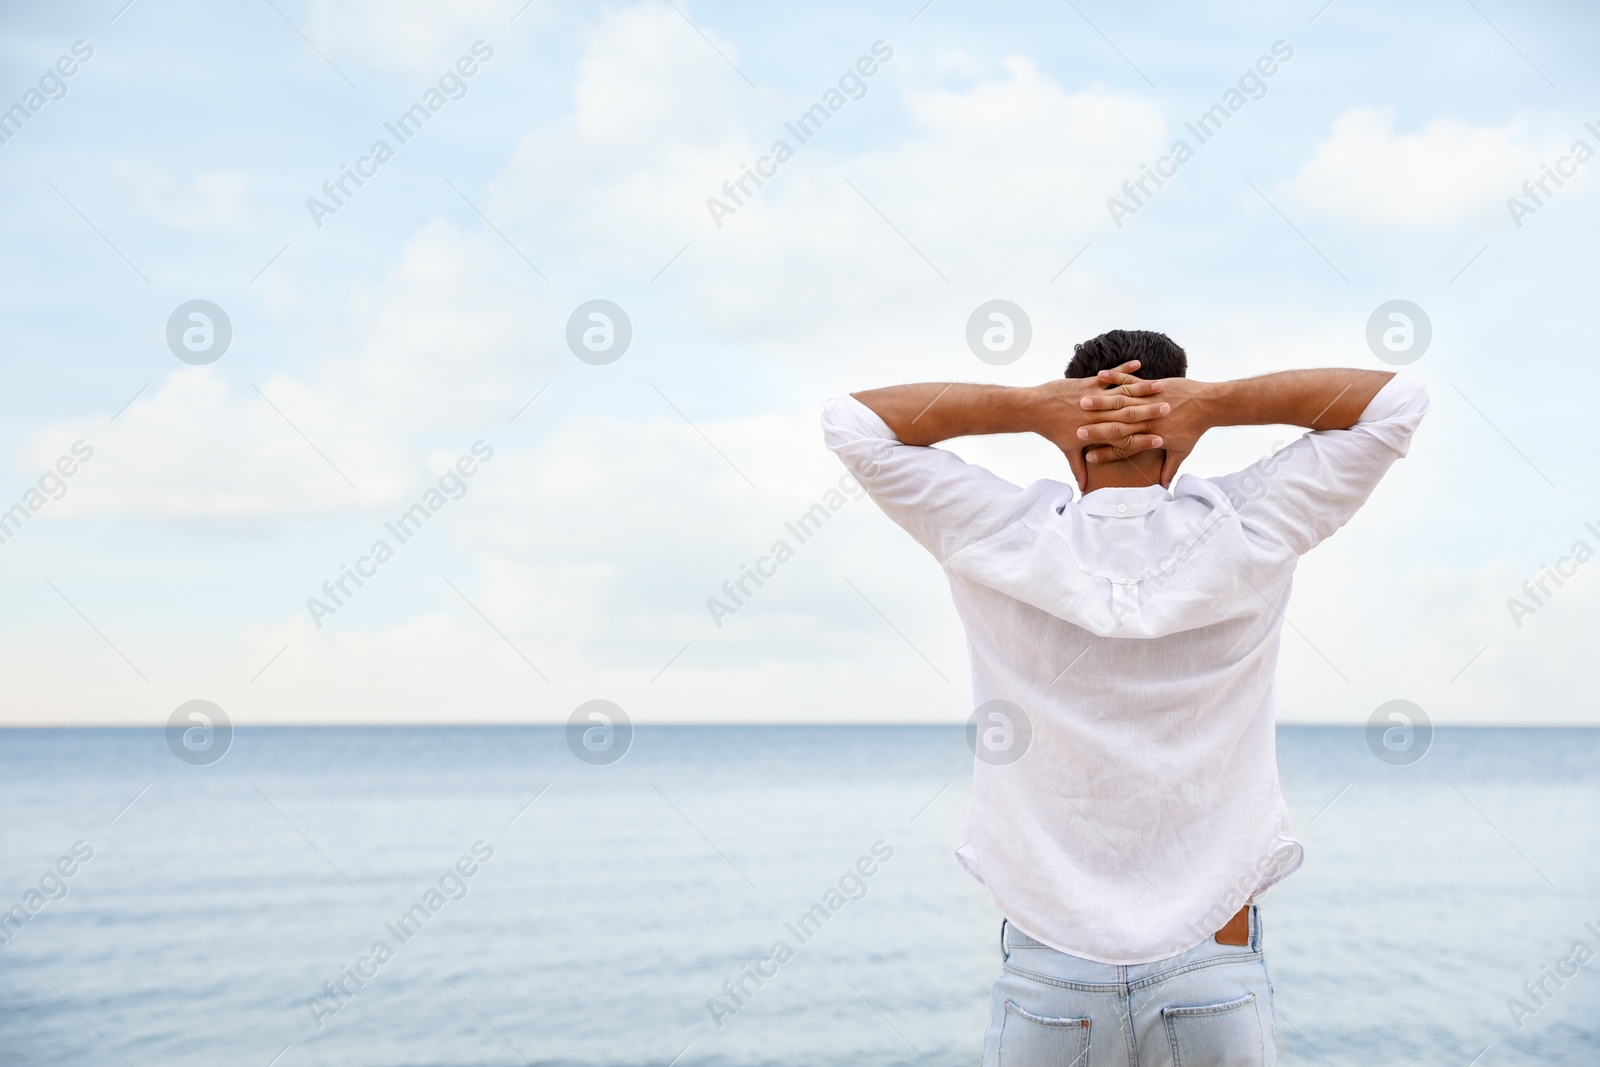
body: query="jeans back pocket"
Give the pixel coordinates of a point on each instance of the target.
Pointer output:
(1029, 1040)
(1216, 1035)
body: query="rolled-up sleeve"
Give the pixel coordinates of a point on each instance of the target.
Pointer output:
(940, 499)
(1302, 493)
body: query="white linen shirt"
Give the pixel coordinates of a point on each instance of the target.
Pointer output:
(1137, 630)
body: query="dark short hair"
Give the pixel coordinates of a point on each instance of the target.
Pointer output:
(1158, 355)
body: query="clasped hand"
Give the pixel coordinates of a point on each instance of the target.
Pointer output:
(1113, 416)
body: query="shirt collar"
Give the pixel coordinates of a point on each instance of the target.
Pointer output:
(1123, 503)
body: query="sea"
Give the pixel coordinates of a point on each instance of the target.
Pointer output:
(538, 908)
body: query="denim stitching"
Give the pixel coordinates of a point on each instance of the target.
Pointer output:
(1080, 1023)
(1062, 983)
(1215, 961)
(1142, 983)
(1168, 1014)
(1129, 1029)
(1202, 1010)
(1062, 1021)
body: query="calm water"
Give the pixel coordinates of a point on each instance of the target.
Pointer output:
(217, 904)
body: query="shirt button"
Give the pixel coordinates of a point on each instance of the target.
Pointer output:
(1121, 508)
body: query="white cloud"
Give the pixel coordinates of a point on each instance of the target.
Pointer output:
(997, 183)
(1447, 172)
(593, 553)
(195, 449)
(439, 349)
(658, 122)
(1439, 636)
(417, 36)
(212, 200)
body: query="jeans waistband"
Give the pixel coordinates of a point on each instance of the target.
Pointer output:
(1064, 966)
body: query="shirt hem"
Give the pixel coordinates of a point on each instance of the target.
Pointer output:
(967, 856)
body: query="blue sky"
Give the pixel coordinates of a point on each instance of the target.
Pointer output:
(371, 352)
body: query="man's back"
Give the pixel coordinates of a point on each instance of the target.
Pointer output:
(1124, 646)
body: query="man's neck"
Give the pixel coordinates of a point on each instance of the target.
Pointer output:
(1136, 472)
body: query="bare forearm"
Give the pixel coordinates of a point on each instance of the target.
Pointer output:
(1323, 399)
(927, 413)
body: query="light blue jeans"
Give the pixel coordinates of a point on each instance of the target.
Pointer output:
(1208, 1007)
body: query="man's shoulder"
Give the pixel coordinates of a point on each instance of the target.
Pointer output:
(1049, 495)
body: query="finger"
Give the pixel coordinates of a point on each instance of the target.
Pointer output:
(1137, 413)
(1104, 454)
(1109, 432)
(1128, 446)
(1109, 400)
(1118, 376)
(1136, 443)
(1126, 408)
(1128, 385)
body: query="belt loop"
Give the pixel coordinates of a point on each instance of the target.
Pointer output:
(1255, 927)
(1004, 955)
